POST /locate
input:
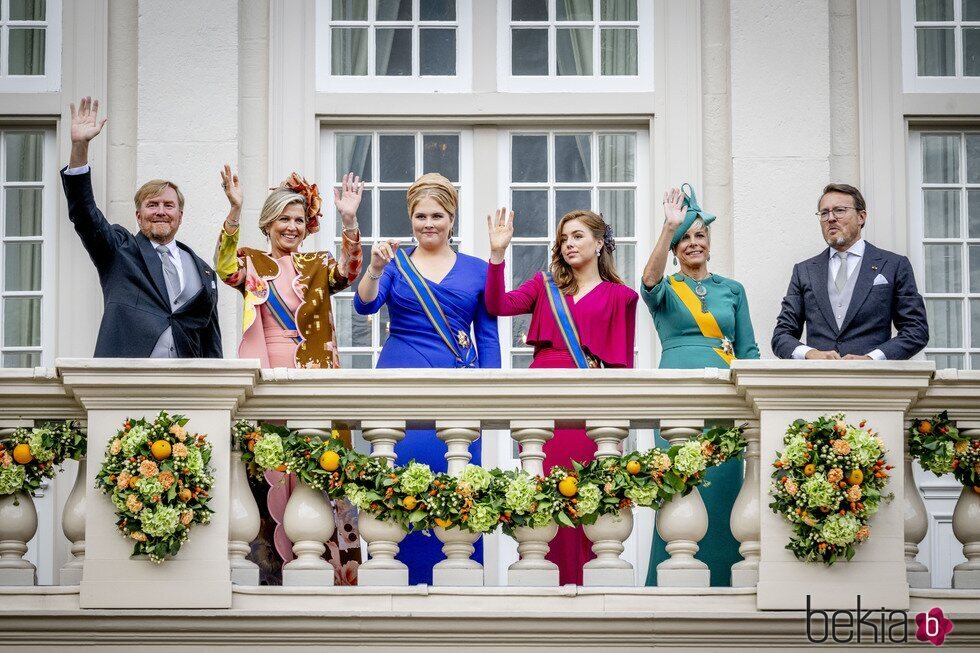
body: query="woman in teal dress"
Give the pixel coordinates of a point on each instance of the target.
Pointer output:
(703, 321)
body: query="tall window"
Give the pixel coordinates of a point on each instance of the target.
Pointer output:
(30, 45)
(388, 162)
(947, 38)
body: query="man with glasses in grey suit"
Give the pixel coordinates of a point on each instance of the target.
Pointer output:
(849, 296)
(160, 299)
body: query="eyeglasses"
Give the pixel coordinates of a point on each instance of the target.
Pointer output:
(838, 211)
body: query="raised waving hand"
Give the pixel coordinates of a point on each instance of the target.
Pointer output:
(501, 229)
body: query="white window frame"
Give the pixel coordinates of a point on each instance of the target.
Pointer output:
(327, 82)
(51, 79)
(595, 83)
(913, 83)
(49, 211)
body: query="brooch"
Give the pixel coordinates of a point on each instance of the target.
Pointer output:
(463, 339)
(727, 346)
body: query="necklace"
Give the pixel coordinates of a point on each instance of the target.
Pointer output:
(701, 292)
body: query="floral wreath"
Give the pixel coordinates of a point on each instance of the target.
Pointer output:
(827, 485)
(311, 194)
(158, 478)
(940, 449)
(31, 455)
(479, 499)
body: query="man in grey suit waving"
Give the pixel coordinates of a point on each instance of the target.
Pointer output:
(160, 299)
(849, 295)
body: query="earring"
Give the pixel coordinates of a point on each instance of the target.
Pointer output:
(675, 259)
(709, 257)
(598, 251)
(413, 239)
(450, 240)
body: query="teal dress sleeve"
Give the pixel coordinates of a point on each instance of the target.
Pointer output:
(745, 345)
(654, 297)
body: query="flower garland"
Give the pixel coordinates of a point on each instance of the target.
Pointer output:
(478, 499)
(32, 455)
(940, 449)
(827, 485)
(158, 478)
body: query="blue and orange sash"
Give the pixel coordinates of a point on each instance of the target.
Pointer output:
(459, 343)
(704, 319)
(566, 325)
(283, 316)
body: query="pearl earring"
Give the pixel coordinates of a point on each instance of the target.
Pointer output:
(598, 251)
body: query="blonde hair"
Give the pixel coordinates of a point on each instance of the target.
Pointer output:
(437, 187)
(561, 271)
(155, 187)
(275, 204)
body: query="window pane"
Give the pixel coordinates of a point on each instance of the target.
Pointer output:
(23, 212)
(574, 51)
(357, 361)
(521, 362)
(973, 208)
(26, 52)
(971, 9)
(933, 10)
(529, 52)
(353, 330)
(625, 256)
(975, 361)
(529, 158)
(440, 153)
(935, 52)
(437, 52)
(530, 213)
(975, 268)
(22, 322)
(618, 208)
(945, 322)
(617, 10)
(366, 251)
(573, 9)
(354, 155)
(437, 9)
(617, 155)
(22, 266)
(528, 10)
(385, 324)
(971, 52)
(942, 213)
(393, 52)
(567, 201)
(973, 158)
(365, 217)
(573, 158)
(395, 222)
(946, 361)
(350, 10)
(397, 158)
(520, 324)
(618, 51)
(24, 156)
(940, 158)
(394, 10)
(348, 51)
(975, 326)
(944, 268)
(528, 261)
(22, 359)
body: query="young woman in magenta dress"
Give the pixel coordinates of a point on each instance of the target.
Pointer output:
(451, 285)
(603, 310)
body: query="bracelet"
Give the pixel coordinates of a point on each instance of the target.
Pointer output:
(372, 276)
(354, 228)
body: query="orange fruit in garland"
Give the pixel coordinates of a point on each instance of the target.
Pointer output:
(925, 427)
(22, 453)
(410, 502)
(161, 449)
(132, 482)
(810, 469)
(443, 523)
(856, 477)
(633, 467)
(568, 486)
(330, 461)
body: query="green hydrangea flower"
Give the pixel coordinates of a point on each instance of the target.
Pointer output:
(818, 492)
(12, 479)
(519, 494)
(38, 450)
(119, 501)
(416, 478)
(864, 448)
(642, 496)
(194, 461)
(160, 521)
(689, 459)
(940, 462)
(149, 487)
(796, 450)
(268, 452)
(540, 519)
(840, 529)
(483, 518)
(478, 478)
(134, 439)
(357, 496)
(589, 496)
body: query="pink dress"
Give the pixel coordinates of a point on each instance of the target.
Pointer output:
(606, 321)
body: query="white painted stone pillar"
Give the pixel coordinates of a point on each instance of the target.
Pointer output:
(683, 521)
(18, 524)
(916, 524)
(609, 532)
(309, 523)
(966, 525)
(457, 544)
(73, 525)
(532, 570)
(244, 523)
(382, 536)
(747, 513)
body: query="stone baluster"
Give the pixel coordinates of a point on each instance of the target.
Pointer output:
(533, 543)
(609, 531)
(18, 524)
(73, 525)
(309, 523)
(916, 524)
(966, 525)
(243, 523)
(457, 543)
(382, 536)
(746, 521)
(682, 522)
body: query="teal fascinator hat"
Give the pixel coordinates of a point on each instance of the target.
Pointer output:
(694, 212)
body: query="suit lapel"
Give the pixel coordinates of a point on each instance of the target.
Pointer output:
(872, 259)
(819, 271)
(154, 266)
(204, 272)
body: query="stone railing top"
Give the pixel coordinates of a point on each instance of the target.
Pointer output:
(957, 391)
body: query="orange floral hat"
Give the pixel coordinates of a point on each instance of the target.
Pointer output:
(309, 191)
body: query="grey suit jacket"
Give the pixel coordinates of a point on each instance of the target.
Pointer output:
(873, 309)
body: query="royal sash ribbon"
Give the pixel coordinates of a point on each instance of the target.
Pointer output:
(566, 325)
(282, 315)
(704, 319)
(459, 344)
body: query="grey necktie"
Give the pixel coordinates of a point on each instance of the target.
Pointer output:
(169, 273)
(841, 279)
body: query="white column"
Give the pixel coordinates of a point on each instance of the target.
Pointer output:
(609, 531)
(532, 570)
(457, 544)
(73, 525)
(683, 521)
(916, 525)
(382, 537)
(746, 522)
(18, 524)
(243, 524)
(309, 524)
(966, 527)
